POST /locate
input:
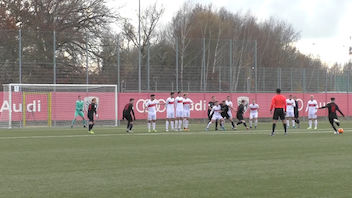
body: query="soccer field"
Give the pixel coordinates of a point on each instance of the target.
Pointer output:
(65, 162)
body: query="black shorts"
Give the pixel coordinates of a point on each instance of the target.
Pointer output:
(90, 117)
(332, 117)
(225, 115)
(128, 117)
(239, 116)
(279, 113)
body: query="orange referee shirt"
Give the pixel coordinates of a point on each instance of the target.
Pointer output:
(278, 101)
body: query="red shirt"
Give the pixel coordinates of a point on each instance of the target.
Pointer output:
(278, 101)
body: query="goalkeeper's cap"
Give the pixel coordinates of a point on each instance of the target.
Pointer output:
(152, 95)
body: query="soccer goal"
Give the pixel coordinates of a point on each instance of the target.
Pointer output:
(52, 105)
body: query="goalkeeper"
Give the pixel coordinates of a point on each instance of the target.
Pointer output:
(79, 112)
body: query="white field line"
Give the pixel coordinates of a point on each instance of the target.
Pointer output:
(256, 132)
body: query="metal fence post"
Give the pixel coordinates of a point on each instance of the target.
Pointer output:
(118, 63)
(291, 80)
(219, 77)
(87, 70)
(148, 65)
(54, 56)
(304, 79)
(203, 68)
(230, 65)
(20, 55)
(176, 64)
(263, 78)
(256, 66)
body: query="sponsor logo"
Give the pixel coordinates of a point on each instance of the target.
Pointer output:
(32, 106)
(201, 105)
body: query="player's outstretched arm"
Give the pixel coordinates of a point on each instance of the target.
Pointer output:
(338, 109)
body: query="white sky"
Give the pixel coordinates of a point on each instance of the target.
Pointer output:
(325, 26)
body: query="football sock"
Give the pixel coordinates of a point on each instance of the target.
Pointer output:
(288, 123)
(244, 124)
(176, 123)
(274, 125)
(131, 125)
(256, 123)
(216, 124)
(208, 124)
(180, 124)
(250, 123)
(148, 125)
(316, 123)
(153, 125)
(233, 124)
(73, 122)
(90, 127)
(338, 124)
(172, 124)
(167, 125)
(293, 123)
(84, 122)
(310, 123)
(239, 122)
(285, 128)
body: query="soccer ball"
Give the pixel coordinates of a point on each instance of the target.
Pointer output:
(340, 130)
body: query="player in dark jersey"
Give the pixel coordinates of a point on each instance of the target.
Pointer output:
(224, 113)
(128, 114)
(332, 108)
(296, 112)
(240, 112)
(92, 109)
(210, 106)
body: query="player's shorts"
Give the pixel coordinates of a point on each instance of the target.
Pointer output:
(290, 114)
(216, 117)
(229, 113)
(253, 115)
(225, 115)
(170, 114)
(179, 113)
(151, 116)
(90, 117)
(186, 114)
(128, 117)
(312, 115)
(279, 113)
(332, 117)
(239, 116)
(79, 113)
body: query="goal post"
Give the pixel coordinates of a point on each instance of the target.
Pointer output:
(52, 105)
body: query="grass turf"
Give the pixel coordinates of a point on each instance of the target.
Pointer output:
(64, 162)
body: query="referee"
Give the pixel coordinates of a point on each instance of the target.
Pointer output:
(279, 104)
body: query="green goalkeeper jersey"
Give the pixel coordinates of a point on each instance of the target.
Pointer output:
(79, 105)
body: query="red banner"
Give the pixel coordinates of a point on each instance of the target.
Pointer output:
(61, 105)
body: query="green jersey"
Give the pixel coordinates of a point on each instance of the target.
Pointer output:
(79, 105)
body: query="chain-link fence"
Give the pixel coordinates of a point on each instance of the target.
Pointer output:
(190, 64)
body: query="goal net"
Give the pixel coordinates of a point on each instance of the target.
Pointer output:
(52, 105)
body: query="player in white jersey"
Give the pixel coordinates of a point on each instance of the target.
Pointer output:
(179, 111)
(187, 102)
(229, 103)
(216, 112)
(312, 108)
(170, 111)
(150, 105)
(253, 114)
(290, 111)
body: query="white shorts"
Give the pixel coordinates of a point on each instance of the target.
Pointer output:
(290, 114)
(216, 117)
(179, 113)
(151, 116)
(312, 115)
(253, 115)
(186, 114)
(230, 114)
(170, 114)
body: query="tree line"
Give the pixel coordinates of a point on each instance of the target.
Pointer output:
(212, 46)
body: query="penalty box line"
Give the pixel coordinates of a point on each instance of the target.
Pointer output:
(257, 132)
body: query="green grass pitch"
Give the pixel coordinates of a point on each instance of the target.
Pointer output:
(65, 162)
